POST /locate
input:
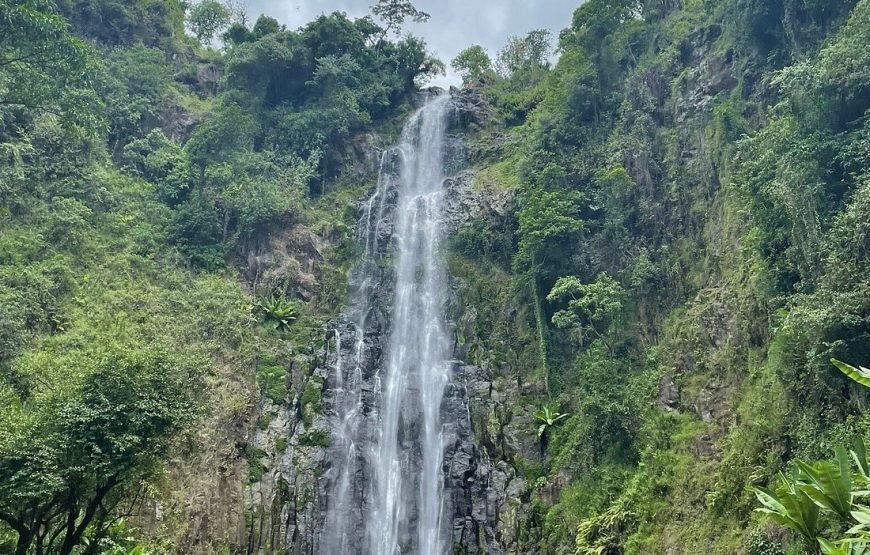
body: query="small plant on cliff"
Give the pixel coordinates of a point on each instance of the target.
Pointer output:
(279, 312)
(548, 419)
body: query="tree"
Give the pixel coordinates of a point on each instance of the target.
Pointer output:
(230, 130)
(134, 86)
(548, 220)
(266, 25)
(42, 65)
(69, 459)
(238, 34)
(163, 163)
(207, 18)
(472, 63)
(125, 22)
(394, 13)
(591, 307)
(524, 54)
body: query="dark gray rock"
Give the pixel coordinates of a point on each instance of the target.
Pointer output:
(486, 501)
(669, 394)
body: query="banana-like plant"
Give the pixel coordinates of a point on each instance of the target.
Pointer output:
(828, 483)
(789, 506)
(547, 418)
(828, 486)
(859, 455)
(279, 311)
(858, 374)
(843, 547)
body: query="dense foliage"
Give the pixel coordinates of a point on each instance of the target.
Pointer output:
(691, 182)
(136, 163)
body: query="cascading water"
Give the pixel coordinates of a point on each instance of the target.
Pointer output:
(386, 482)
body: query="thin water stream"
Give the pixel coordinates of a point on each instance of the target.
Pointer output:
(388, 431)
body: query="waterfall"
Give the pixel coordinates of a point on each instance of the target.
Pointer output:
(385, 482)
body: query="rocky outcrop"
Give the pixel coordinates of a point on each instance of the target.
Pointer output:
(467, 202)
(487, 426)
(286, 263)
(708, 73)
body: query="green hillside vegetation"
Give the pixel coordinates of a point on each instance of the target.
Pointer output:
(687, 248)
(135, 164)
(691, 216)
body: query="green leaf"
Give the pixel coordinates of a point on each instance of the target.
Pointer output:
(860, 375)
(829, 548)
(790, 507)
(769, 500)
(829, 485)
(859, 455)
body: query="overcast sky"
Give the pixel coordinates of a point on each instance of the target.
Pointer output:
(455, 24)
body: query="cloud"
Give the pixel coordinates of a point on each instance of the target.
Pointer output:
(455, 24)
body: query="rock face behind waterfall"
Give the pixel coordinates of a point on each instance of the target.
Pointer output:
(301, 506)
(361, 466)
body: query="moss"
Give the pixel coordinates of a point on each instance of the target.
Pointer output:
(256, 467)
(315, 438)
(264, 421)
(280, 445)
(312, 399)
(273, 382)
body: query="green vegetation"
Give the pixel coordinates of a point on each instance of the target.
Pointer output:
(547, 419)
(859, 375)
(823, 496)
(689, 247)
(140, 169)
(278, 312)
(684, 247)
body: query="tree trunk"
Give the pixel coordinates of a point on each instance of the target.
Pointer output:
(75, 533)
(24, 541)
(25, 534)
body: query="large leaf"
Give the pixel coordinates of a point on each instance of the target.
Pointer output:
(860, 375)
(830, 548)
(861, 515)
(859, 455)
(790, 507)
(828, 484)
(849, 546)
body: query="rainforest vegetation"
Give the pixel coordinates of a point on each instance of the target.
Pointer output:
(686, 248)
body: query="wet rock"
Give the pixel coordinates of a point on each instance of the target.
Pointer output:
(287, 263)
(486, 501)
(669, 394)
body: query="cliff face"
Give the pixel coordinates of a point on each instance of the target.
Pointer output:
(489, 436)
(709, 375)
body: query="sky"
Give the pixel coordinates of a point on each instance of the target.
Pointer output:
(455, 24)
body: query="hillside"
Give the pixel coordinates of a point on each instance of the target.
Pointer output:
(653, 248)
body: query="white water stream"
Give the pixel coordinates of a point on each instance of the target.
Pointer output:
(402, 451)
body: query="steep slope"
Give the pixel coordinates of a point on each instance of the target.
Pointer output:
(685, 257)
(654, 249)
